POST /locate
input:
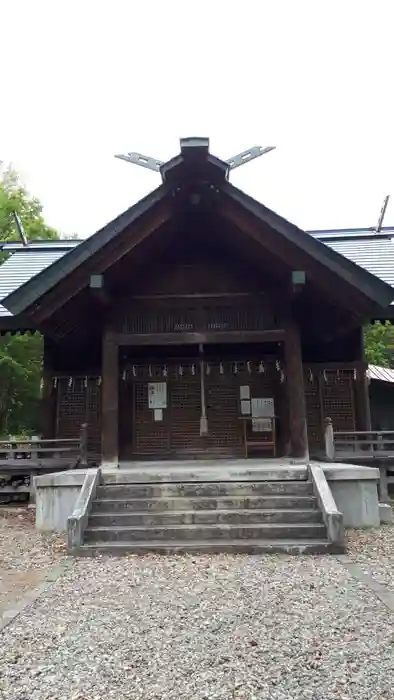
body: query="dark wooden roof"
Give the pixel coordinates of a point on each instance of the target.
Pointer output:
(196, 167)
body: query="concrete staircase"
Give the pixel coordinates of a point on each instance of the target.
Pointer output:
(251, 516)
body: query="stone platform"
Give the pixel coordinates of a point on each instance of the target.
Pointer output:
(233, 500)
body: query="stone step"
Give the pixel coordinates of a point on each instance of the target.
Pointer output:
(157, 505)
(256, 546)
(204, 471)
(211, 489)
(205, 532)
(203, 517)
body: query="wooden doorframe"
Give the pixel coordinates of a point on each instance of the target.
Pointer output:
(112, 341)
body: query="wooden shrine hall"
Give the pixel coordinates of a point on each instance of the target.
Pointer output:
(199, 323)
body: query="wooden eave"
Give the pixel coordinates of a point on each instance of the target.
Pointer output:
(29, 293)
(194, 170)
(379, 293)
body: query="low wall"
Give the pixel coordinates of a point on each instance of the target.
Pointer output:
(56, 495)
(355, 492)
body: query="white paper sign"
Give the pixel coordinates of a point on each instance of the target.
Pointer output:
(244, 392)
(261, 425)
(245, 407)
(158, 414)
(157, 395)
(263, 408)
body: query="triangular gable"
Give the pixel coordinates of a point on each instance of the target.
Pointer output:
(187, 168)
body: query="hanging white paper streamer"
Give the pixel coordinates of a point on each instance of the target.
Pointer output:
(235, 367)
(325, 375)
(150, 370)
(70, 382)
(249, 367)
(193, 369)
(355, 374)
(207, 369)
(41, 384)
(165, 371)
(221, 368)
(310, 375)
(261, 369)
(134, 370)
(180, 371)
(124, 375)
(282, 376)
(85, 382)
(277, 364)
(55, 382)
(99, 380)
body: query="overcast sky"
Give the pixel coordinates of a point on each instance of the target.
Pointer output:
(82, 80)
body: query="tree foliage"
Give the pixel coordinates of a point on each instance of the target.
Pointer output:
(20, 355)
(20, 376)
(14, 197)
(379, 344)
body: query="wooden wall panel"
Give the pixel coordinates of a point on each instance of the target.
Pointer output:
(78, 402)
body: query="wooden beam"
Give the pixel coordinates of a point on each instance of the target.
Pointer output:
(298, 447)
(269, 336)
(109, 394)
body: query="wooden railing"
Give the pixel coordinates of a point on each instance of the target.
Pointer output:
(37, 453)
(363, 446)
(358, 444)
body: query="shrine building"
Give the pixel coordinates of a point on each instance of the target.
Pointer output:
(200, 324)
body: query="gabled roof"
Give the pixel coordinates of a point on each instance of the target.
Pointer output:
(25, 262)
(323, 247)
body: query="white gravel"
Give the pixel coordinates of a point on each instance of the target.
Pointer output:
(188, 628)
(25, 557)
(373, 551)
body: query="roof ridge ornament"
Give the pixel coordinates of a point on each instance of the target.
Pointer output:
(232, 163)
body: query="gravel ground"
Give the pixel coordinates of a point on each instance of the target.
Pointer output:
(25, 557)
(201, 627)
(373, 551)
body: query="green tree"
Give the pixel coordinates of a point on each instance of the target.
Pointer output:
(20, 376)
(14, 197)
(20, 355)
(379, 344)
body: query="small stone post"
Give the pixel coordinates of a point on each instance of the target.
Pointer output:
(329, 439)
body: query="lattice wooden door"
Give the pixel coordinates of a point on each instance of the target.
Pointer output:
(222, 402)
(71, 407)
(338, 400)
(78, 402)
(151, 438)
(185, 412)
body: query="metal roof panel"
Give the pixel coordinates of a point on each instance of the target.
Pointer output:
(382, 374)
(373, 254)
(21, 266)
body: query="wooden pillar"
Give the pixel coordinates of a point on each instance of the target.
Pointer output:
(110, 380)
(296, 395)
(48, 395)
(362, 404)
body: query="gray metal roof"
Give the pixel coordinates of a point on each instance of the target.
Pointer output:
(382, 374)
(26, 262)
(375, 254)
